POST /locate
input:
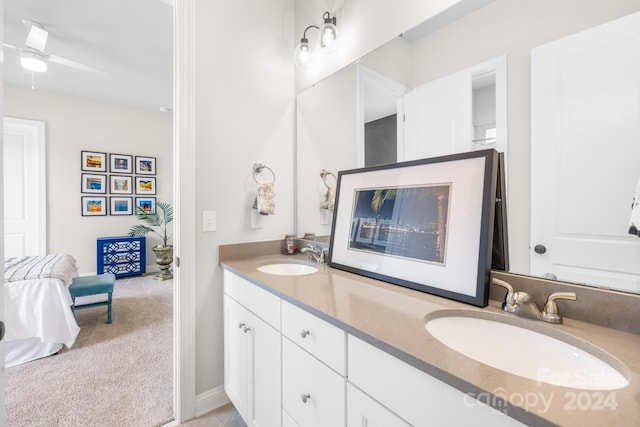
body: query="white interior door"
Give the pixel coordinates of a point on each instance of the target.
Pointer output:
(585, 155)
(438, 118)
(24, 187)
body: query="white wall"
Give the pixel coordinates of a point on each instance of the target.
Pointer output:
(244, 83)
(75, 124)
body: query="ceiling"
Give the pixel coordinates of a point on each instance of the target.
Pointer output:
(131, 40)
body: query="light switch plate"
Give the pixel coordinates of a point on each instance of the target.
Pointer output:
(209, 221)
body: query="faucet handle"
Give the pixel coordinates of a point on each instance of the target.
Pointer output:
(550, 311)
(509, 303)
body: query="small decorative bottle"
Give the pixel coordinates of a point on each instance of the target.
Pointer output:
(289, 244)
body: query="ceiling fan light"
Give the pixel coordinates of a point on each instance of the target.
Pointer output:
(33, 61)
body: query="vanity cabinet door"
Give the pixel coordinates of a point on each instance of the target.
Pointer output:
(252, 369)
(235, 355)
(312, 393)
(362, 410)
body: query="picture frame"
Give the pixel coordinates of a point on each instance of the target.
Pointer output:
(145, 185)
(93, 183)
(147, 204)
(94, 206)
(120, 205)
(93, 161)
(145, 165)
(120, 163)
(423, 224)
(120, 184)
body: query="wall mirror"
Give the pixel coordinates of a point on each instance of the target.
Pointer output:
(486, 69)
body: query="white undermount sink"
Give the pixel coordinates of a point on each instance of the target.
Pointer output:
(288, 268)
(486, 338)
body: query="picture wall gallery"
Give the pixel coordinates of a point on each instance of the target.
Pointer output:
(117, 184)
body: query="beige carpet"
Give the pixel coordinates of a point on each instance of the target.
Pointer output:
(114, 375)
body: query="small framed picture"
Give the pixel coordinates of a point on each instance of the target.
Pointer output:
(93, 183)
(120, 163)
(121, 205)
(94, 206)
(145, 165)
(120, 184)
(146, 204)
(145, 185)
(93, 161)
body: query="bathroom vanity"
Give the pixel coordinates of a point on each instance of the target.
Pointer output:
(331, 348)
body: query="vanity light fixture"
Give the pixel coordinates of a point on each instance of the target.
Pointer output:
(303, 54)
(33, 61)
(328, 34)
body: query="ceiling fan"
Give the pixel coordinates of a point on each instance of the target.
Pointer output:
(33, 58)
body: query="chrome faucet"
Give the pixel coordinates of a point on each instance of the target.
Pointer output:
(522, 304)
(315, 254)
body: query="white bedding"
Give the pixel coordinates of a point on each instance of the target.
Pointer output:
(38, 310)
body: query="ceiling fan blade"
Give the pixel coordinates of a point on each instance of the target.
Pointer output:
(37, 37)
(73, 64)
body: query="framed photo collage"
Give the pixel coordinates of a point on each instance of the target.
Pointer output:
(117, 184)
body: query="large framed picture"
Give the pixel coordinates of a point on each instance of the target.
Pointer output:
(145, 185)
(120, 163)
(424, 224)
(120, 184)
(94, 206)
(93, 161)
(121, 205)
(93, 183)
(145, 165)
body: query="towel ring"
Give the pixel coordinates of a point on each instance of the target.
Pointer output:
(258, 168)
(324, 173)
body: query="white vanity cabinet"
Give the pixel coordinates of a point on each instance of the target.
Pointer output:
(313, 369)
(252, 351)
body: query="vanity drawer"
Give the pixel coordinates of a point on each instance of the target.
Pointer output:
(312, 394)
(320, 338)
(262, 303)
(412, 394)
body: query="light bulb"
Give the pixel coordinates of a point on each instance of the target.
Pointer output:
(302, 54)
(33, 61)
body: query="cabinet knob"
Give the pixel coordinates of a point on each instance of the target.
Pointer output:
(240, 325)
(540, 249)
(304, 333)
(305, 397)
(246, 329)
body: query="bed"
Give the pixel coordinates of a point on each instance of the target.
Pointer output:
(38, 311)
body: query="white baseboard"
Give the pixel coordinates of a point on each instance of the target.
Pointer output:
(211, 400)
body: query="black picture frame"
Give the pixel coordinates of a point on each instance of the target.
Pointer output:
(145, 185)
(435, 233)
(120, 205)
(120, 163)
(91, 183)
(145, 165)
(121, 184)
(94, 206)
(93, 161)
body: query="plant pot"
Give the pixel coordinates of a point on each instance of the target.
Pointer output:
(164, 258)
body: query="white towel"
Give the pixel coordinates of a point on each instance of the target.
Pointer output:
(266, 199)
(328, 200)
(634, 222)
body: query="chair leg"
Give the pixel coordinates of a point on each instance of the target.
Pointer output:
(109, 309)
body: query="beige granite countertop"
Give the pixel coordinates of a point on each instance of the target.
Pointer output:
(392, 318)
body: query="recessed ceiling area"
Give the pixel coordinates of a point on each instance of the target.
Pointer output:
(131, 40)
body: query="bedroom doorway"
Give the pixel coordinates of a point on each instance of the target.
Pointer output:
(24, 174)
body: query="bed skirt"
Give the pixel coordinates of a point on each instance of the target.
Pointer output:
(22, 351)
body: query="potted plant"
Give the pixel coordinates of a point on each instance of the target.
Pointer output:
(157, 223)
